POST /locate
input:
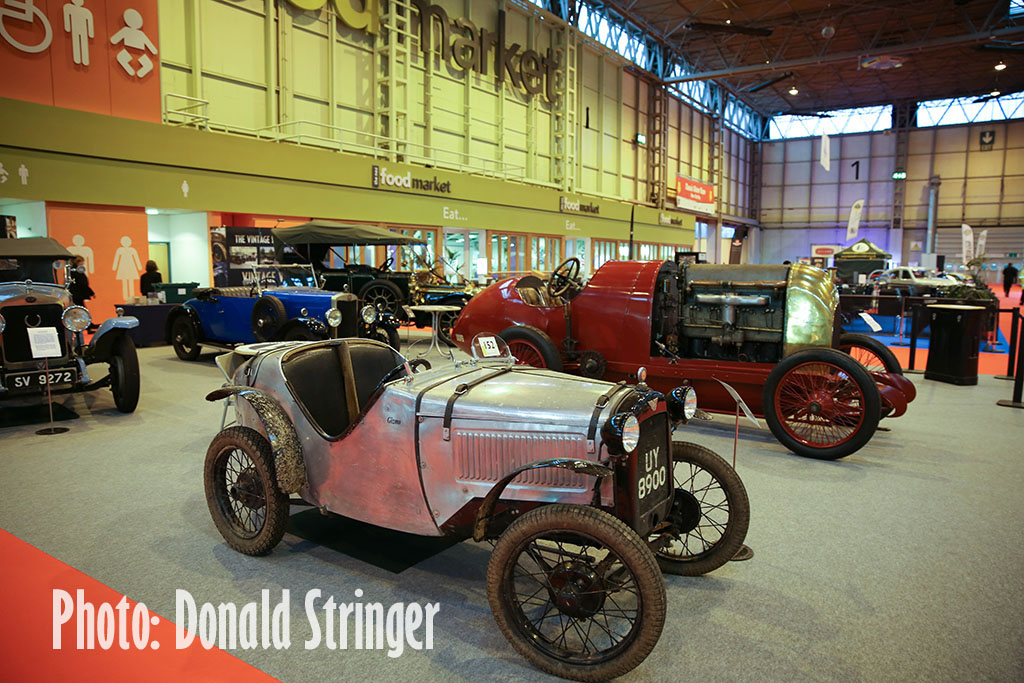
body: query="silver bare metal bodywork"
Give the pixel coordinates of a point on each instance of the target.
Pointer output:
(399, 466)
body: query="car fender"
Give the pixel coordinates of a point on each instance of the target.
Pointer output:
(289, 467)
(312, 324)
(484, 513)
(178, 311)
(111, 330)
(894, 398)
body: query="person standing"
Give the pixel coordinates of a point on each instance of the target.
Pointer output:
(1009, 277)
(151, 277)
(78, 282)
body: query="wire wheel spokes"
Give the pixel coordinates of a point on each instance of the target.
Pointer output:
(526, 353)
(573, 598)
(382, 298)
(866, 357)
(704, 509)
(820, 404)
(243, 498)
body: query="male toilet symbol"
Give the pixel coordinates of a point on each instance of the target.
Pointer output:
(26, 11)
(127, 266)
(78, 248)
(23, 172)
(133, 37)
(78, 22)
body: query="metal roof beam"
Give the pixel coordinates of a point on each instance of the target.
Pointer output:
(965, 39)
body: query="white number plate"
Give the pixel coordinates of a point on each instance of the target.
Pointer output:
(33, 380)
(652, 478)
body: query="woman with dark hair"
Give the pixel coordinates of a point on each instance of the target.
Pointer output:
(150, 278)
(78, 283)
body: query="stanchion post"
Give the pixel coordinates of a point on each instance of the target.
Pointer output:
(1012, 352)
(1018, 380)
(914, 308)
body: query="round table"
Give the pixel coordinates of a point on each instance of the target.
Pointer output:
(435, 312)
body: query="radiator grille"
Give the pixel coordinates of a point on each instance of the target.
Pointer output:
(16, 346)
(488, 456)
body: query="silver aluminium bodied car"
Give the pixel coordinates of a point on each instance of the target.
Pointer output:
(576, 481)
(31, 302)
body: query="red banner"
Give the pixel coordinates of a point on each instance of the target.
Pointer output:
(694, 195)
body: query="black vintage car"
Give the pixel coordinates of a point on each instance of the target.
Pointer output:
(32, 307)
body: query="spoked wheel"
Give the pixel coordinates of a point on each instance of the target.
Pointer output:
(710, 513)
(871, 353)
(184, 338)
(382, 295)
(821, 403)
(445, 323)
(576, 592)
(268, 317)
(387, 335)
(532, 347)
(250, 511)
(124, 374)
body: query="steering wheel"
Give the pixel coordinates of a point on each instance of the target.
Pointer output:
(564, 277)
(388, 263)
(394, 372)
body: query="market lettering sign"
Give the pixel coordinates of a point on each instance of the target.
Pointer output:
(694, 195)
(575, 206)
(380, 177)
(367, 19)
(460, 40)
(667, 219)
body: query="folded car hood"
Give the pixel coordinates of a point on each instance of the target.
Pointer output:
(518, 394)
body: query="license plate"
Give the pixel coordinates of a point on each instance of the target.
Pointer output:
(25, 381)
(654, 464)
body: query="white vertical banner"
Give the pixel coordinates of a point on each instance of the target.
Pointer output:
(826, 153)
(967, 236)
(979, 248)
(854, 223)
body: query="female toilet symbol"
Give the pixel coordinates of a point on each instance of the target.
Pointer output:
(133, 37)
(128, 267)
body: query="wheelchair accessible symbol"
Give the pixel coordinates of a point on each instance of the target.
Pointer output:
(133, 37)
(26, 11)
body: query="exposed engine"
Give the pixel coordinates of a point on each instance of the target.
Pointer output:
(721, 312)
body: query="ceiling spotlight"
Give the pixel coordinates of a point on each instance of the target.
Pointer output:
(152, 212)
(994, 93)
(1000, 66)
(793, 90)
(728, 21)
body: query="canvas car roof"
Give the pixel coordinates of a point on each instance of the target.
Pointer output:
(40, 247)
(337, 234)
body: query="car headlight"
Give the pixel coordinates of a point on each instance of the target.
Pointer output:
(369, 315)
(682, 403)
(3, 324)
(621, 433)
(76, 318)
(333, 317)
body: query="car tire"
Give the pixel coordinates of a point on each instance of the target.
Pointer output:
(446, 321)
(532, 347)
(514, 596)
(871, 353)
(239, 480)
(268, 317)
(383, 295)
(301, 333)
(711, 512)
(124, 374)
(185, 338)
(386, 335)
(801, 409)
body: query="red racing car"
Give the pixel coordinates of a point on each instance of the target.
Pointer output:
(769, 331)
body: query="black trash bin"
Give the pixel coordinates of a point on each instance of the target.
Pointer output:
(955, 339)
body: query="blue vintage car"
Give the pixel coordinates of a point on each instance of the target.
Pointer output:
(279, 305)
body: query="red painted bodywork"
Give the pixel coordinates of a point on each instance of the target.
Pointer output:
(612, 315)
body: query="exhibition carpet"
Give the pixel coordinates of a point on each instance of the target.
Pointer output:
(27, 645)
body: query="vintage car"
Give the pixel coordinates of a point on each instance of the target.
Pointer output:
(914, 281)
(768, 331)
(31, 300)
(389, 290)
(577, 481)
(280, 304)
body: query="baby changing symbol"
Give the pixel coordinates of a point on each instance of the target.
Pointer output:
(132, 36)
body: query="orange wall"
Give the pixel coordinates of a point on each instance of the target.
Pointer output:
(51, 75)
(102, 229)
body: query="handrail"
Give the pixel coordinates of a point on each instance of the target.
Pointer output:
(200, 120)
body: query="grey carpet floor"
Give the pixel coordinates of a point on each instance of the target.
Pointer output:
(900, 562)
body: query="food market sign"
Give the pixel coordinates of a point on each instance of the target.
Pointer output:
(461, 44)
(693, 195)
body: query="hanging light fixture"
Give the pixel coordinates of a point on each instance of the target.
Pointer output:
(1000, 66)
(793, 90)
(994, 93)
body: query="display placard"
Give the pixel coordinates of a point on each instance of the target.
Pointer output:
(44, 342)
(872, 323)
(489, 347)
